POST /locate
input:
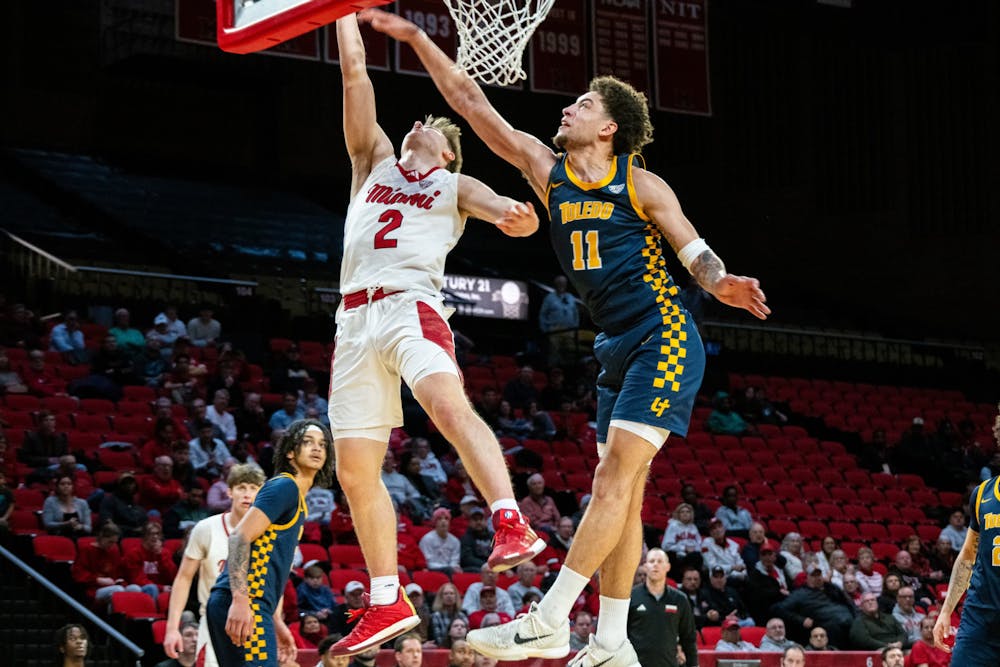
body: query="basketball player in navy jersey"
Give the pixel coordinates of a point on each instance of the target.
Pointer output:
(609, 217)
(977, 569)
(244, 608)
(405, 215)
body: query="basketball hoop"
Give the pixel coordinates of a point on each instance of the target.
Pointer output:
(492, 36)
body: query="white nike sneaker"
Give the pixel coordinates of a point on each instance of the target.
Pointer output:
(523, 638)
(594, 655)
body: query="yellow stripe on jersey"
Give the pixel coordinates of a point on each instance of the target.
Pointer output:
(632, 195)
(673, 318)
(596, 185)
(979, 498)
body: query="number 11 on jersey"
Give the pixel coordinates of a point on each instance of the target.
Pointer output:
(592, 238)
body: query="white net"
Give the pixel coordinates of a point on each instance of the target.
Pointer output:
(492, 36)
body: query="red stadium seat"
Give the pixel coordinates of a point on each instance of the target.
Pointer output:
(163, 602)
(92, 423)
(346, 555)
(132, 423)
(830, 477)
(58, 404)
(768, 509)
(28, 499)
(928, 533)
(781, 527)
(340, 578)
(827, 511)
(753, 634)
(709, 636)
(159, 631)
(884, 550)
(22, 402)
(843, 494)
(134, 409)
(873, 532)
(925, 497)
(786, 490)
(463, 580)
(883, 480)
(850, 549)
(430, 581)
(313, 552)
(134, 605)
(54, 548)
(898, 497)
(116, 459)
(900, 531)
(910, 482)
(842, 530)
(883, 512)
(856, 512)
(812, 529)
(96, 406)
(950, 499)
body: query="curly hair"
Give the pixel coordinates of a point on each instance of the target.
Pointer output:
(629, 108)
(453, 134)
(292, 442)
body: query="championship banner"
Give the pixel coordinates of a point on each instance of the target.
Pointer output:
(497, 298)
(195, 22)
(680, 33)
(558, 50)
(376, 47)
(620, 32)
(434, 19)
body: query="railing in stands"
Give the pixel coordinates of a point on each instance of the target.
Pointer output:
(79, 608)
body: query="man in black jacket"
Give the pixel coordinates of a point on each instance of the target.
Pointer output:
(817, 603)
(660, 624)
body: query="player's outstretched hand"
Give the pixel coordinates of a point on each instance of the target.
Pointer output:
(742, 292)
(519, 220)
(942, 629)
(173, 643)
(391, 24)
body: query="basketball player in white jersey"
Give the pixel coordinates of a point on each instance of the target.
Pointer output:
(406, 213)
(206, 552)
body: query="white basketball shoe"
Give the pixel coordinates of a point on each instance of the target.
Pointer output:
(523, 638)
(594, 655)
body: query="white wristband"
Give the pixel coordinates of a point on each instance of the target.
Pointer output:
(691, 251)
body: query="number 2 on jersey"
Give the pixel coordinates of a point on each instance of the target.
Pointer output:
(996, 551)
(577, 240)
(393, 220)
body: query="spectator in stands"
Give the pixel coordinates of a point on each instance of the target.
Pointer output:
(184, 472)
(363, 659)
(750, 552)
(852, 589)
(41, 380)
(691, 588)
(723, 420)
(204, 330)
(511, 426)
(316, 597)
(218, 414)
(419, 602)
(909, 576)
(488, 406)
(702, 515)
(188, 511)
(736, 519)
(793, 656)
(869, 579)
(520, 390)
(444, 611)
(311, 404)
(925, 653)
(188, 655)
(526, 573)
(120, 507)
(341, 524)
(942, 557)
(873, 630)
(310, 631)
(539, 508)
(488, 604)
(402, 491)
(320, 505)
(289, 373)
(817, 603)
(956, 530)
(919, 558)
(794, 554)
(555, 393)
(72, 645)
(160, 491)
(130, 340)
(487, 579)
(890, 587)
(6, 501)
(114, 366)
(161, 444)
(163, 408)
(720, 551)
(288, 413)
(97, 567)
(819, 640)
(42, 447)
(409, 651)
(461, 654)
(581, 627)
(409, 557)
(441, 549)
(838, 568)
(347, 614)
(827, 546)
(148, 565)
(218, 499)
(67, 338)
(174, 324)
(208, 453)
(430, 466)
(251, 421)
(20, 328)
(226, 377)
(63, 513)
(10, 381)
(151, 366)
(409, 466)
(774, 640)
(731, 642)
(907, 614)
(181, 383)
(162, 334)
(559, 319)
(724, 601)
(459, 486)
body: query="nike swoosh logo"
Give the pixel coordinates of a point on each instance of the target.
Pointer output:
(556, 185)
(518, 639)
(604, 661)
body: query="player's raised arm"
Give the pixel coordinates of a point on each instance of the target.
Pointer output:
(367, 144)
(512, 217)
(465, 96)
(660, 203)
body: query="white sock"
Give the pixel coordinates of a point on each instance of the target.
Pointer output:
(558, 602)
(612, 623)
(384, 590)
(504, 504)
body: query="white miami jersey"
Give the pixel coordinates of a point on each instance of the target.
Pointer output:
(209, 544)
(400, 227)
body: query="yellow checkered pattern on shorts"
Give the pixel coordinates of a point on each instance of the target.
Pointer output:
(260, 556)
(674, 319)
(256, 646)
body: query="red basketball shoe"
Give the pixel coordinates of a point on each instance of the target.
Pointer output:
(379, 624)
(514, 542)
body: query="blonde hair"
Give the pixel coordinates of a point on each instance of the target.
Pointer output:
(453, 134)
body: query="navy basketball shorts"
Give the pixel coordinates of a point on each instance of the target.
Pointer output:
(650, 374)
(977, 643)
(261, 650)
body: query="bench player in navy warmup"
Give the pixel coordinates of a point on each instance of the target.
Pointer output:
(977, 569)
(609, 217)
(244, 609)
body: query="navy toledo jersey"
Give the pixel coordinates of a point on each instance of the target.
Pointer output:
(651, 355)
(984, 588)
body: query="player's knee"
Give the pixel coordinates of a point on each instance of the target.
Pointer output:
(448, 415)
(356, 478)
(611, 484)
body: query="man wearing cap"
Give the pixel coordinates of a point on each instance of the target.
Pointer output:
(342, 619)
(161, 332)
(731, 642)
(720, 551)
(487, 605)
(661, 626)
(873, 630)
(442, 550)
(817, 603)
(723, 600)
(488, 578)
(416, 595)
(476, 542)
